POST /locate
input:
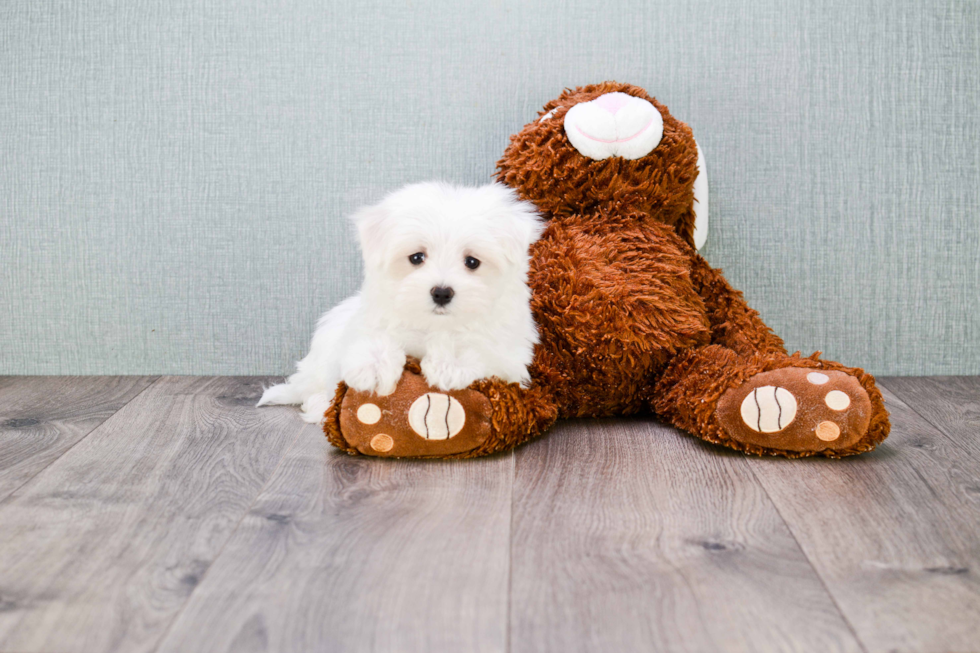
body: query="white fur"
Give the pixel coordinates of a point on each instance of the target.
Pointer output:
(614, 124)
(485, 331)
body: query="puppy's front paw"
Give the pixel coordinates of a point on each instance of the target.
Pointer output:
(446, 374)
(377, 372)
(379, 379)
(388, 378)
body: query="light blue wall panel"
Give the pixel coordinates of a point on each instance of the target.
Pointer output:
(174, 175)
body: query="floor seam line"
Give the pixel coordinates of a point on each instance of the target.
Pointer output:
(949, 437)
(823, 583)
(3, 500)
(231, 535)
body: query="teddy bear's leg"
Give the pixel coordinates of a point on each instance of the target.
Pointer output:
(418, 421)
(743, 391)
(772, 404)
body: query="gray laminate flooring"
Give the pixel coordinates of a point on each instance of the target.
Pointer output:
(169, 514)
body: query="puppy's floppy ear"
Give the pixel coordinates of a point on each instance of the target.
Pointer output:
(521, 225)
(369, 222)
(532, 224)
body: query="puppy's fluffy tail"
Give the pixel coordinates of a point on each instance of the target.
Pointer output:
(314, 405)
(318, 374)
(283, 393)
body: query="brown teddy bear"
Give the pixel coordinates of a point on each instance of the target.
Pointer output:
(632, 319)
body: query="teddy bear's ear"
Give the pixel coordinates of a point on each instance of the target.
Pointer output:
(700, 202)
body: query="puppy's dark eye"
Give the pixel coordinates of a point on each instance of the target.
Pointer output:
(418, 258)
(471, 263)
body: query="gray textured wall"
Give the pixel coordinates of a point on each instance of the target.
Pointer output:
(174, 174)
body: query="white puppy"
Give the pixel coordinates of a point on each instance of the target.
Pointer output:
(445, 281)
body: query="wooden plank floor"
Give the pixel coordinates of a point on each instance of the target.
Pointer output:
(168, 514)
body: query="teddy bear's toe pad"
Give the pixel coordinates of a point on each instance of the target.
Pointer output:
(416, 421)
(797, 409)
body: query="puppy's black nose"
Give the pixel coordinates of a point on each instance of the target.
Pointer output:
(442, 295)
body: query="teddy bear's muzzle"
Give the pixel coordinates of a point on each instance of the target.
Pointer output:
(614, 124)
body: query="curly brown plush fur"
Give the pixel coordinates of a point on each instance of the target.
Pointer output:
(631, 318)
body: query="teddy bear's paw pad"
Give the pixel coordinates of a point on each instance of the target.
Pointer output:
(797, 409)
(415, 421)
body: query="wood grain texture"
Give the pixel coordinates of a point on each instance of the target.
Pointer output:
(43, 417)
(894, 534)
(100, 550)
(190, 521)
(345, 553)
(950, 403)
(631, 536)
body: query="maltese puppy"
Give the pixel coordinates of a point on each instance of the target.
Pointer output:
(445, 281)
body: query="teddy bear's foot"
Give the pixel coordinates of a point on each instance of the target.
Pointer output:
(418, 421)
(415, 421)
(797, 409)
